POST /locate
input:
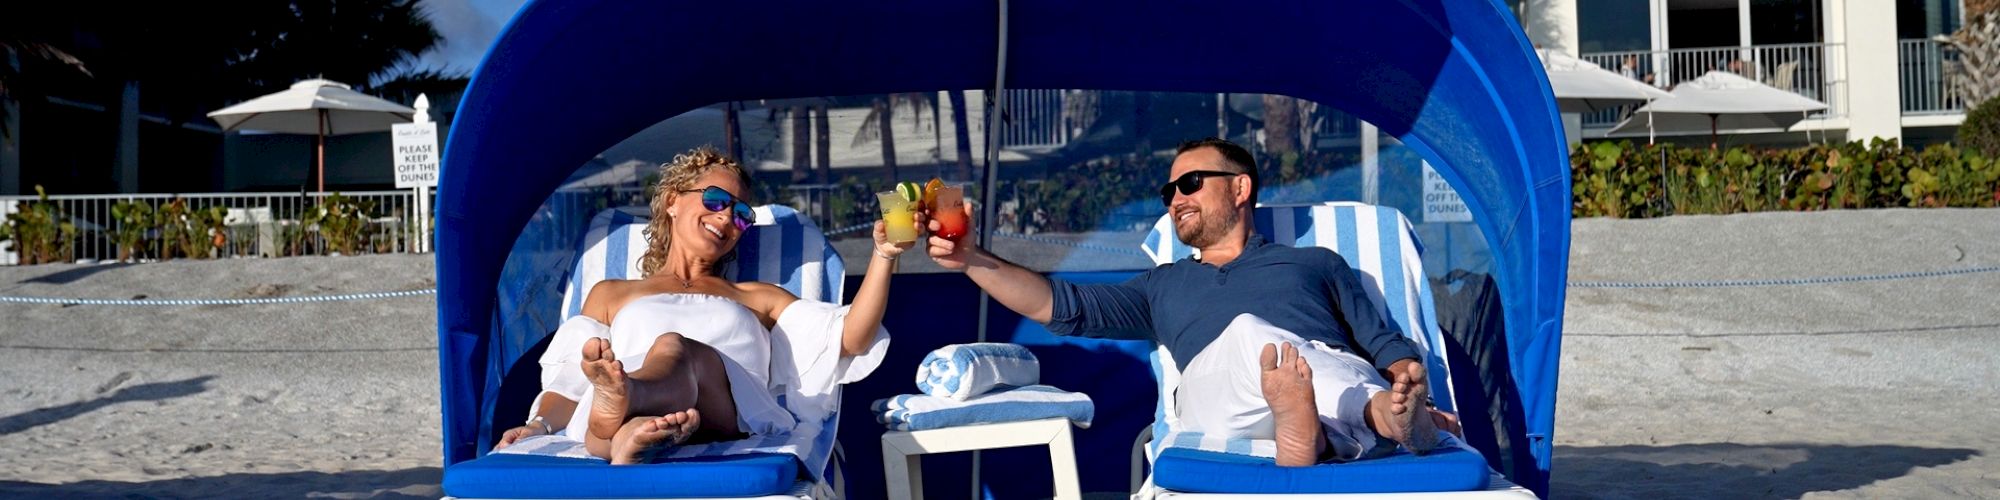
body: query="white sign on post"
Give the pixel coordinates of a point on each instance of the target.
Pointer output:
(1441, 202)
(416, 154)
(416, 163)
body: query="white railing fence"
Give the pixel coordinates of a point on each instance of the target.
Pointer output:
(1925, 67)
(1809, 69)
(256, 224)
(1041, 118)
(275, 224)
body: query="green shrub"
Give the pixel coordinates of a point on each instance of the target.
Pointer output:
(174, 234)
(134, 220)
(1616, 179)
(41, 232)
(341, 221)
(1981, 130)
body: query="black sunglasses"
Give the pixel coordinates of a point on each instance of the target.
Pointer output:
(716, 200)
(1189, 183)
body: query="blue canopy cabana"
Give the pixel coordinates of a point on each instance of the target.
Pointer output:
(1454, 80)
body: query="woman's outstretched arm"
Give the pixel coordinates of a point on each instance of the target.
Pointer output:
(864, 316)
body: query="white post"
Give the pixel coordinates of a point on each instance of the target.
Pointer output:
(1662, 64)
(422, 240)
(1743, 23)
(1371, 164)
(1874, 97)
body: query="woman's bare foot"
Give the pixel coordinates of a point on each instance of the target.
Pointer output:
(1288, 389)
(609, 386)
(642, 434)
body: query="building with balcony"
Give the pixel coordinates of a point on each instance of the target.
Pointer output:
(1875, 63)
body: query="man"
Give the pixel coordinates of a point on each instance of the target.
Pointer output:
(1271, 338)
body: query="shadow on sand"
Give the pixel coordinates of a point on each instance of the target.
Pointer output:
(156, 391)
(71, 275)
(1724, 470)
(420, 482)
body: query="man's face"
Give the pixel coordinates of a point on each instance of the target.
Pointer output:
(1205, 216)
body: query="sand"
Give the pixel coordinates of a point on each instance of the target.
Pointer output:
(1863, 390)
(1881, 389)
(335, 400)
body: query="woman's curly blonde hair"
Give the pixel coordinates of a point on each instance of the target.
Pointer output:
(676, 177)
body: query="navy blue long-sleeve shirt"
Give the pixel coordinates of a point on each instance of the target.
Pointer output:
(1185, 305)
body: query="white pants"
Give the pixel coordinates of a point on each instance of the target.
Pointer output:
(1221, 391)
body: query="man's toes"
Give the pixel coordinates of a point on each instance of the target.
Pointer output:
(1290, 356)
(1268, 359)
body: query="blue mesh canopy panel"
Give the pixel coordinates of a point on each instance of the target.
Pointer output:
(1457, 81)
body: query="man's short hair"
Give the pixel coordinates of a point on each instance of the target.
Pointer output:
(1232, 154)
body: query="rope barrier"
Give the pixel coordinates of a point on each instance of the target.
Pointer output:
(1824, 280)
(213, 302)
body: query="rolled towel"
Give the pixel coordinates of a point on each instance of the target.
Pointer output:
(962, 371)
(914, 413)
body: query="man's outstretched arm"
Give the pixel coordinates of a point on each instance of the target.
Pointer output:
(1024, 291)
(1091, 310)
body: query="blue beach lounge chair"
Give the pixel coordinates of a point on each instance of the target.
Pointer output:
(783, 248)
(1455, 81)
(1377, 242)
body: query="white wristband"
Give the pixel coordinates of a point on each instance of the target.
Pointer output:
(878, 253)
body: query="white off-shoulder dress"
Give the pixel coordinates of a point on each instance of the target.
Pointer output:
(798, 360)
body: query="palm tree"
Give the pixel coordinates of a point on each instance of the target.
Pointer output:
(1977, 72)
(876, 126)
(801, 143)
(19, 51)
(354, 41)
(963, 137)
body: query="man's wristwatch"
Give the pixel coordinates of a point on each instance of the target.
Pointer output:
(538, 421)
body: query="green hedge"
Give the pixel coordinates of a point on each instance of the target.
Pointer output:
(1618, 179)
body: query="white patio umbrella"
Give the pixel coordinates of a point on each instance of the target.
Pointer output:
(1721, 100)
(1584, 87)
(318, 107)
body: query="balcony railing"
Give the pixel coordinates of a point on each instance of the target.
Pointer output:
(1809, 69)
(1038, 118)
(1925, 68)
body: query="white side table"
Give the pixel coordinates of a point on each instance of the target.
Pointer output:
(902, 452)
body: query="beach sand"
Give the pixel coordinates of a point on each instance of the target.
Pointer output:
(332, 399)
(1856, 390)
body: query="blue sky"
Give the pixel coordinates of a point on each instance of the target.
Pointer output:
(468, 26)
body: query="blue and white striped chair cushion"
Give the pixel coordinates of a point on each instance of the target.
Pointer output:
(783, 247)
(1377, 241)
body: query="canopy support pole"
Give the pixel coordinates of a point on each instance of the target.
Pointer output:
(989, 190)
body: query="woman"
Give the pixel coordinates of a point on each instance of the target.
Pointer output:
(685, 355)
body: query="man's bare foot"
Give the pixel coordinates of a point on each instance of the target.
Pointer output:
(1288, 389)
(609, 386)
(642, 434)
(1400, 412)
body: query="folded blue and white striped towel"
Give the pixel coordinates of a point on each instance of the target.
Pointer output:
(963, 371)
(1035, 402)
